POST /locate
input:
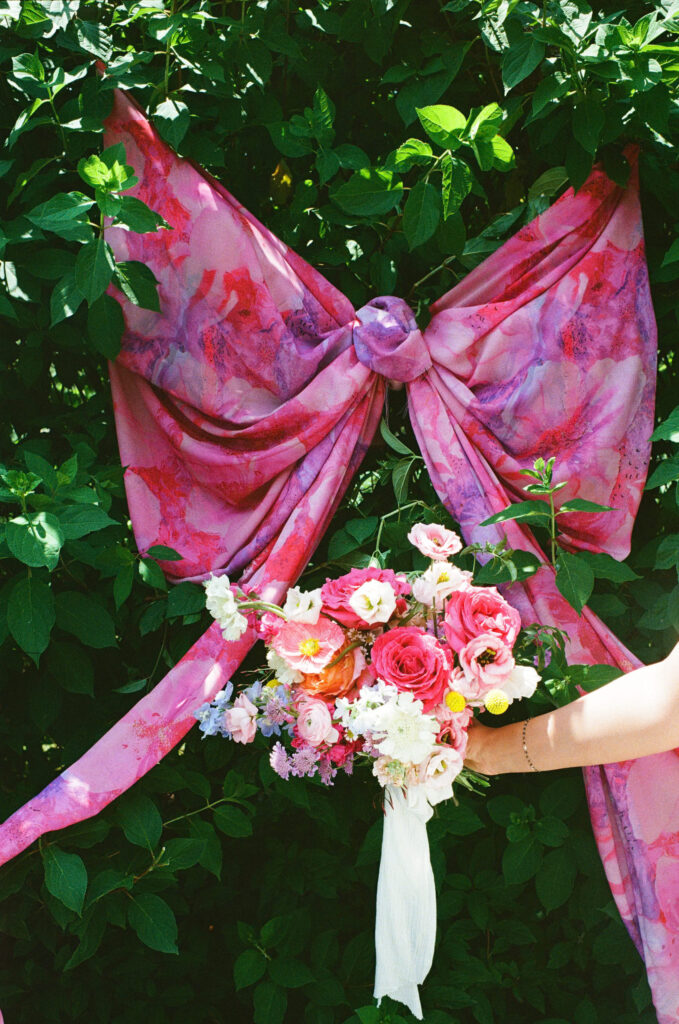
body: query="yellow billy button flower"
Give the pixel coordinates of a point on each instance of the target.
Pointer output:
(496, 701)
(309, 647)
(455, 701)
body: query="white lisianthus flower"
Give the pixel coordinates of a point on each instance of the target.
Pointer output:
(522, 682)
(303, 606)
(223, 607)
(401, 731)
(285, 674)
(358, 715)
(438, 582)
(438, 773)
(374, 601)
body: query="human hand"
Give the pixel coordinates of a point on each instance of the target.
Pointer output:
(484, 749)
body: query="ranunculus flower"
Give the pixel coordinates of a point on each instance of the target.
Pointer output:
(303, 605)
(336, 593)
(308, 647)
(414, 662)
(487, 663)
(438, 582)
(374, 602)
(336, 680)
(314, 723)
(240, 720)
(434, 541)
(471, 611)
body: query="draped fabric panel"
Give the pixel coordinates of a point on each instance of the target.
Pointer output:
(246, 405)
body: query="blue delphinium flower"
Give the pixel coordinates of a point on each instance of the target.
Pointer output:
(210, 715)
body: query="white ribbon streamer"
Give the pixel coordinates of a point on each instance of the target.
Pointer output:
(405, 920)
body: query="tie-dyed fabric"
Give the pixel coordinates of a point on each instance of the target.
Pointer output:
(244, 408)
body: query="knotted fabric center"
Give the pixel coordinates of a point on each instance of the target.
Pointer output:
(388, 341)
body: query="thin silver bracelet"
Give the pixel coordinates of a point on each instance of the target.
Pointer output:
(525, 748)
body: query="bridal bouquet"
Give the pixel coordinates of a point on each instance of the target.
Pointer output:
(388, 668)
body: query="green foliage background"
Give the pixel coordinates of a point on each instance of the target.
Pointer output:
(304, 110)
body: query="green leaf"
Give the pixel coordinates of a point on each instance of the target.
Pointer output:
(35, 539)
(591, 677)
(485, 125)
(400, 476)
(667, 555)
(65, 299)
(140, 820)
(30, 615)
(232, 821)
(551, 831)
(248, 968)
(555, 879)
(71, 667)
(65, 877)
(588, 122)
(668, 430)
(183, 853)
(105, 325)
(171, 118)
(412, 153)
(456, 185)
(393, 441)
(562, 798)
(549, 183)
(122, 585)
(138, 283)
(574, 579)
(606, 568)
(578, 164)
(164, 553)
(538, 510)
(154, 922)
(520, 566)
(520, 60)
(94, 268)
(369, 192)
(138, 216)
(152, 574)
(185, 599)
(290, 973)
(270, 1003)
(78, 520)
(85, 618)
(521, 860)
(443, 124)
(62, 210)
(421, 214)
(580, 505)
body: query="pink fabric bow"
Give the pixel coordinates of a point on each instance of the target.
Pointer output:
(245, 406)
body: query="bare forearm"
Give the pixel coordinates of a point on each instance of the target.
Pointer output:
(631, 717)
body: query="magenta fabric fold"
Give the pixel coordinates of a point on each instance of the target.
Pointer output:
(246, 405)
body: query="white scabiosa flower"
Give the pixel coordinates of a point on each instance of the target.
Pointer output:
(303, 606)
(374, 601)
(402, 732)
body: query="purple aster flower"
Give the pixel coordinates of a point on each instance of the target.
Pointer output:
(279, 761)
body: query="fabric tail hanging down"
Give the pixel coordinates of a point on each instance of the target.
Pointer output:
(242, 411)
(548, 348)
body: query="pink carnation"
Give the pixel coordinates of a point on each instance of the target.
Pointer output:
(434, 541)
(240, 720)
(472, 611)
(487, 662)
(314, 724)
(307, 647)
(335, 594)
(414, 662)
(268, 626)
(453, 726)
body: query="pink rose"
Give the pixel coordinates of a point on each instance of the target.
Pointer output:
(472, 611)
(308, 647)
(434, 541)
(414, 662)
(335, 594)
(240, 720)
(487, 662)
(314, 722)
